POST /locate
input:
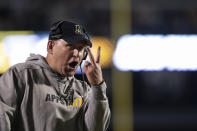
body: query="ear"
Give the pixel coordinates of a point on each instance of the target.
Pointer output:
(50, 46)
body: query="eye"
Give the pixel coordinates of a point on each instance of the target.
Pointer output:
(72, 47)
(69, 46)
(81, 48)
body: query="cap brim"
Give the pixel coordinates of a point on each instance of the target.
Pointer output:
(75, 39)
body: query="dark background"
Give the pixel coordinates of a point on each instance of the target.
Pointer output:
(162, 101)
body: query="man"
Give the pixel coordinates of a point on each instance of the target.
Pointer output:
(42, 94)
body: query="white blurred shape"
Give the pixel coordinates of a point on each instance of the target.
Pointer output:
(41, 47)
(18, 47)
(156, 52)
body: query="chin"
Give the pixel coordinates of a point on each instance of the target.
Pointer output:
(71, 73)
(67, 72)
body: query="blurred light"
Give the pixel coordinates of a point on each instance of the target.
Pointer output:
(4, 64)
(4, 58)
(156, 52)
(106, 50)
(16, 48)
(41, 46)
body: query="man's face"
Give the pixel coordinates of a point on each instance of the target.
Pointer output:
(67, 57)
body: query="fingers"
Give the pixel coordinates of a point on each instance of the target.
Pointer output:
(91, 56)
(98, 55)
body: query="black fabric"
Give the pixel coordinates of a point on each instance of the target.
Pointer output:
(70, 32)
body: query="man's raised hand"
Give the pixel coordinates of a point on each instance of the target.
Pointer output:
(93, 69)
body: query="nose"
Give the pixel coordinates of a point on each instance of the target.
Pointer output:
(75, 53)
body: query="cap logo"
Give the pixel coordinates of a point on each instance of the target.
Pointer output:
(78, 29)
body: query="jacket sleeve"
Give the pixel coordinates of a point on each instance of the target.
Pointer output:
(97, 115)
(8, 99)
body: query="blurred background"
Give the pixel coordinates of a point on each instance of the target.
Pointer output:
(140, 100)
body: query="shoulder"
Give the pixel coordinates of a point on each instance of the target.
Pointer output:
(19, 69)
(23, 66)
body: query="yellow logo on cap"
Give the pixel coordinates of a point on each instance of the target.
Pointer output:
(78, 29)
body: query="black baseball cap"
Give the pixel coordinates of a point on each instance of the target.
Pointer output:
(70, 32)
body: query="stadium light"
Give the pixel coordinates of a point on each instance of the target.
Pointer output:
(156, 53)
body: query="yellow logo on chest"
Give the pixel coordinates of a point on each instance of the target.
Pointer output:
(77, 102)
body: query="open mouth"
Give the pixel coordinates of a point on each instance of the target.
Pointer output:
(73, 64)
